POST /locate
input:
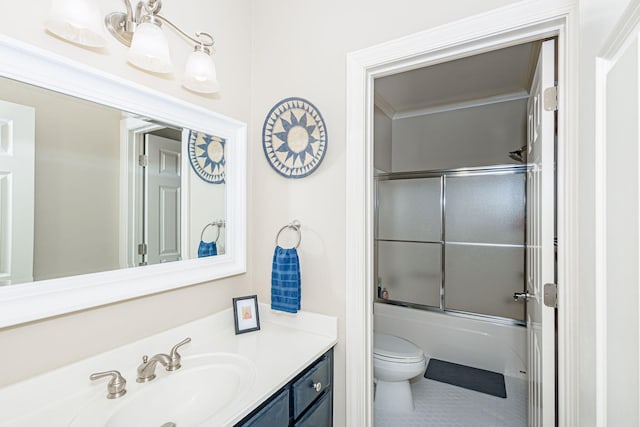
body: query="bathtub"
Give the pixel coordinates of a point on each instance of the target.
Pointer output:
(478, 343)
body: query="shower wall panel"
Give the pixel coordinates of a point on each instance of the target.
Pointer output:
(482, 279)
(409, 210)
(411, 271)
(485, 209)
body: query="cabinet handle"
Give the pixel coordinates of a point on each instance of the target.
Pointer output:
(317, 386)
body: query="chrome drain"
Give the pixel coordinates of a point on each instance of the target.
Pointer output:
(169, 424)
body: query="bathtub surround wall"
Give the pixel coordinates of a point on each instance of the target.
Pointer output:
(475, 136)
(383, 135)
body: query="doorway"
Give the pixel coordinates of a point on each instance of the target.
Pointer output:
(477, 35)
(152, 199)
(457, 223)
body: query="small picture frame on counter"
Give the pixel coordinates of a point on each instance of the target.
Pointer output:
(245, 314)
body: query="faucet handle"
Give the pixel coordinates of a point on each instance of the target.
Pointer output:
(116, 387)
(174, 356)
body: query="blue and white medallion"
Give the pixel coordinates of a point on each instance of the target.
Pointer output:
(206, 154)
(294, 138)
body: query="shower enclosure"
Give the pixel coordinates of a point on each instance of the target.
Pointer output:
(452, 241)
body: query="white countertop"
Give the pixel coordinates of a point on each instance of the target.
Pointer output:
(282, 348)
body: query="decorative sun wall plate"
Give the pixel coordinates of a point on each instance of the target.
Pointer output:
(294, 138)
(206, 154)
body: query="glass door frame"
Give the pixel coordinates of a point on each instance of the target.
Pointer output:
(442, 174)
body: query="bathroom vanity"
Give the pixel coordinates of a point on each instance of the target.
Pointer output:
(250, 379)
(304, 401)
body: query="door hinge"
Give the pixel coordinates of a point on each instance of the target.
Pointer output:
(142, 249)
(550, 98)
(143, 160)
(550, 297)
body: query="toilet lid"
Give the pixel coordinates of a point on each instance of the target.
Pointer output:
(390, 347)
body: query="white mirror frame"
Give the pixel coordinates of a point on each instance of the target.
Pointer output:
(22, 303)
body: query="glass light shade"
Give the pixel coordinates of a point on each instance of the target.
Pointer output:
(200, 73)
(150, 49)
(77, 21)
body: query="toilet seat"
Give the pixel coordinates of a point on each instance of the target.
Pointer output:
(391, 348)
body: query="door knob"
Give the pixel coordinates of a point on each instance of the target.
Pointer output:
(521, 296)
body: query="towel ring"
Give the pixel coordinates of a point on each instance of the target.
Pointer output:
(218, 224)
(295, 225)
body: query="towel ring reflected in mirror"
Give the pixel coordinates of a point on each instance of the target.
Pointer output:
(294, 225)
(219, 224)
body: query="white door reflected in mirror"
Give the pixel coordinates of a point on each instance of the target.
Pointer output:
(162, 213)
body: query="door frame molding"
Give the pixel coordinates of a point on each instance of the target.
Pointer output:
(518, 23)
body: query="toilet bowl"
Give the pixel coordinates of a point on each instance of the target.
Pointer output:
(395, 361)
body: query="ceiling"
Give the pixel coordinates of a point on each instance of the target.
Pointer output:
(500, 73)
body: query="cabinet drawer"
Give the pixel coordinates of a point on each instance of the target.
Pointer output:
(306, 389)
(320, 414)
(274, 414)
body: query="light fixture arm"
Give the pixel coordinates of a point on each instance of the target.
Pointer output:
(122, 24)
(197, 40)
(130, 20)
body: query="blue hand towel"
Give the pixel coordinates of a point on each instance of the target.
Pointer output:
(285, 280)
(206, 249)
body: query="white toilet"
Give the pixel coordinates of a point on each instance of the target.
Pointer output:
(395, 361)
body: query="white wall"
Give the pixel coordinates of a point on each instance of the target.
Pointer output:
(207, 203)
(299, 49)
(476, 136)
(72, 337)
(77, 177)
(597, 18)
(382, 140)
(76, 182)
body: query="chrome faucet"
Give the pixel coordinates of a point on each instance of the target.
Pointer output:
(171, 362)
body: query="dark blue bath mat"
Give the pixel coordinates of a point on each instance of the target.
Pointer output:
(465, 376)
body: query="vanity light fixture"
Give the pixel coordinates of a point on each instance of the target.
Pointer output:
(77, 21)
(141, 30)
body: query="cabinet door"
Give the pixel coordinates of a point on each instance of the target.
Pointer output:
(274, 414)
(320, 414)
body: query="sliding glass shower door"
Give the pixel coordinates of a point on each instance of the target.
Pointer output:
(409, 239)
(453, 240)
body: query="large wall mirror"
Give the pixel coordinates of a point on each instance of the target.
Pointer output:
(109, 190)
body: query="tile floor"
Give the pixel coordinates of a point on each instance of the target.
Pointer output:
(444, 405)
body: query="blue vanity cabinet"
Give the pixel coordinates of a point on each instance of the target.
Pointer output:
(306, 401)
(275, 413)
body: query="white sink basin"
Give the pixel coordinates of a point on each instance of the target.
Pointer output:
(205, 386)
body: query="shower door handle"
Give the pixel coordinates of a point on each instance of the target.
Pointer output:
(521, 296)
